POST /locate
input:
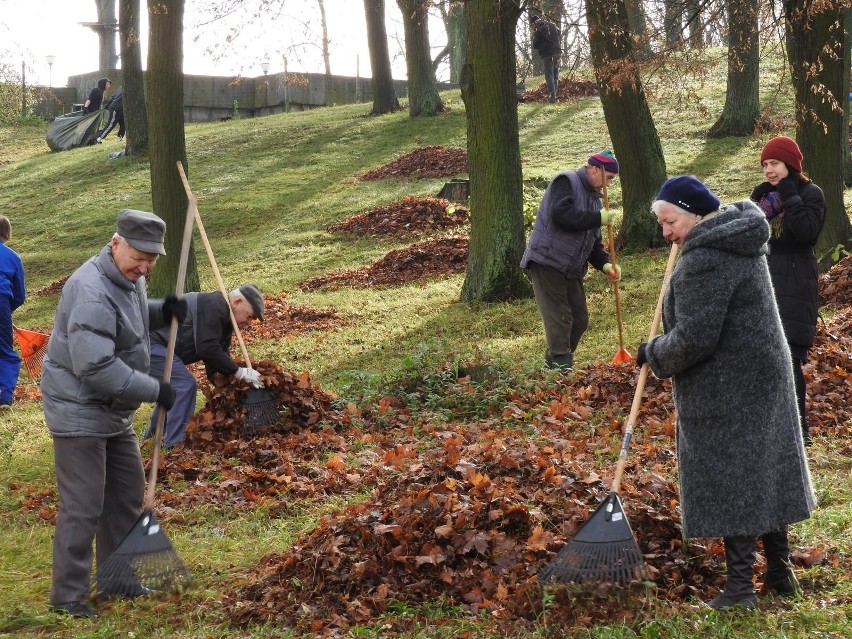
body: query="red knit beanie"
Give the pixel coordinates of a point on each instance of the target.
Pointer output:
(784, 149)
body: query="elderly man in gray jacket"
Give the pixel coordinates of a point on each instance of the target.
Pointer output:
(94, 378)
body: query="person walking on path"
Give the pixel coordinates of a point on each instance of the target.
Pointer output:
(94, 377)
(204, 335)
(546, 43)
(115, 115)
(12, 294)
(96, 96)
(565, 239)
(795, 209)
(742, 468)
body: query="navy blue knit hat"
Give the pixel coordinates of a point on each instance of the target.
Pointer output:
(690, 194)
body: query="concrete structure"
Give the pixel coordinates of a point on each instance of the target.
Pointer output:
(210, 98)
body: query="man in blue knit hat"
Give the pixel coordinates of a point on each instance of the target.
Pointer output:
(565, 239)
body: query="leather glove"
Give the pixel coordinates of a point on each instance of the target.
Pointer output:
(641, 355)
(249, 376)
(608, 216)
(614, 274)
(166, 395)
(174, 307)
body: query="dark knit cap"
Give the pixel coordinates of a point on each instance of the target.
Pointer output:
(142, 230)
(255, 298)
(690, 194)
(606, 160)
(784, 149)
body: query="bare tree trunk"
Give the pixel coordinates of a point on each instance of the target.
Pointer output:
(628, 118)
(456, 38)
(819, 55)
(423, 98)
(325, 55)
(106, 28)
(673, 23)
(695, 22)
(135, 111)
(639, 28)
(167, 141)
(384, 95)
(494, 157)
(742, 97)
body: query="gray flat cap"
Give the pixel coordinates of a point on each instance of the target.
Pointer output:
(143, 231)
(255, 298)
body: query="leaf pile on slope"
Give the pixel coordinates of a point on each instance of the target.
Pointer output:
(424, 162)
(409, 216)
(419, 261)
(53, 287)
(835, 286)
(282, 319)
(567, 89)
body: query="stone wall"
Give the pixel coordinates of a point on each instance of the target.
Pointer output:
(210, 98)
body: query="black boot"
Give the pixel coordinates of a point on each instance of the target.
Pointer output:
(780, 578)
(739, 591)
(562, 363)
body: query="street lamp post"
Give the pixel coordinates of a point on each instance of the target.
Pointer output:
(50, 60)
(264, 67)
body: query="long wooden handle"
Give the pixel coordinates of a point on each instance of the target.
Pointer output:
(193, 205)
(643, 376)
(167, 365)
(611, 242)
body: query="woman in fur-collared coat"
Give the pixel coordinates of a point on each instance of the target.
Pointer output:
(741, 460)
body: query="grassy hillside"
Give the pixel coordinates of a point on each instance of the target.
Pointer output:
(267, 188)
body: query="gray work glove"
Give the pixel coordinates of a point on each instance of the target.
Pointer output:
(249, 376)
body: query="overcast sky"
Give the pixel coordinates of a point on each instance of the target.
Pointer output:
(30, 30)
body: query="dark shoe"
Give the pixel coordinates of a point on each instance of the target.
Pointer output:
(739, 591)
(725, 600)
(562, 363)
(782, 583)
(74, 608)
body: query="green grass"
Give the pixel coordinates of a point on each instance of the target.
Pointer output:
(266, 188)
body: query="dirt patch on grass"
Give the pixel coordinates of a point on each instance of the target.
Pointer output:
(425, 162)
(420, 261)
(409, 216)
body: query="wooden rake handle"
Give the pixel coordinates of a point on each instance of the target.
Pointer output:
(611, 242)
(643, 376)
(193, 205)
(167, 367)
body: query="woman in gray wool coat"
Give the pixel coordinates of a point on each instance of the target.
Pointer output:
(742, 468)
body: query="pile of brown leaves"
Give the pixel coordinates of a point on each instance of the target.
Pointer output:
(410, 216)
(425, 162)
(53, 287)
(835, 286)
(567, 89)
(282, 319)
(422, 260)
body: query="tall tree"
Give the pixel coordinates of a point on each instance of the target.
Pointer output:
(628, 118)
(742, 96)
(384, 95)
(135, 111)
(423, 97)
(167, 141)
(819, 55)
(639, 28)
(326, 58)
(673, 22)
(494, 157)
(454, 23)
(106, 28)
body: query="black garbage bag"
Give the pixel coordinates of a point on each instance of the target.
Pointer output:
(74, 129)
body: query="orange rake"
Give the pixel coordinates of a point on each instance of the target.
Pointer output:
(33, 347)
(622, 355)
